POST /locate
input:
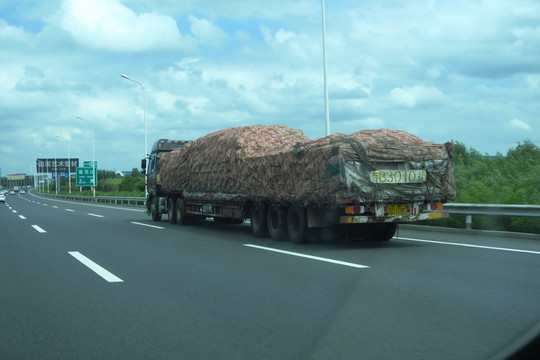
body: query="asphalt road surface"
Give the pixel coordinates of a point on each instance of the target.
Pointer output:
(89, 281)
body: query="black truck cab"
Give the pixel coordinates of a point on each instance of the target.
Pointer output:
(151, 166)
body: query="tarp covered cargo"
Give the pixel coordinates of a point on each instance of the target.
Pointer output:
(281, 164)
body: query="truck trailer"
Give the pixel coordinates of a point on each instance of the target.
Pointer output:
(289, 185)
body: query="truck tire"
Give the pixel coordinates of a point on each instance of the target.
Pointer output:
(297, 224)
(382, 231)
(170, 210)
(259, 226)
(154, 208)
(180, 210)
(277, 222)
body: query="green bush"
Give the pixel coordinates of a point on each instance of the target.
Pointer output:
(511, 179)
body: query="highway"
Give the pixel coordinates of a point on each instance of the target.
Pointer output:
(90, 281)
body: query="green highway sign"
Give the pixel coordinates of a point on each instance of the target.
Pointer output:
(85, 176)
(89, 164)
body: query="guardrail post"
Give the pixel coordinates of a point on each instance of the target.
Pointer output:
(468, 222)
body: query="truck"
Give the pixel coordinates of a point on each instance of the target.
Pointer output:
(288, 185)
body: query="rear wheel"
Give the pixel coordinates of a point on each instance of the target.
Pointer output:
(180, 210)
(170, 210)
(277, 222)
(259, 226)
(154, 208)
(381, 231)
(297, 224)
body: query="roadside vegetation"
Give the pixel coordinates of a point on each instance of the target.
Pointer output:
(513, 178)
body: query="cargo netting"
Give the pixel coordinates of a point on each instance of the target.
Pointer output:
(276, 163)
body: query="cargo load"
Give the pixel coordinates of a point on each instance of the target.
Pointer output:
(280, 164)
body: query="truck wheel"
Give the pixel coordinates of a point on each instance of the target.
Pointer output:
(382, 232)
(277, 222)
(180, 210)
(154, 208)
(170, 211)
(259, 227)
(297, 224)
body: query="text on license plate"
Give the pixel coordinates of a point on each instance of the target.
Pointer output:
(396, 209)
(397, 176)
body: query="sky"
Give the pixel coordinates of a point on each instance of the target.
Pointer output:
(460, 70)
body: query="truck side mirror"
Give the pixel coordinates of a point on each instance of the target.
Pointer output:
(143, 166)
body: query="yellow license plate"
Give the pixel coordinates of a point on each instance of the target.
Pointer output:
(396, 209)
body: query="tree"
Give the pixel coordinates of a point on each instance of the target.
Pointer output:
(510, 179)
(132, 182)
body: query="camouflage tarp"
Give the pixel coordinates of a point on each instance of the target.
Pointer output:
(278, 163)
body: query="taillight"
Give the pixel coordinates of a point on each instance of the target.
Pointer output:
(354, 209)
(436, 206)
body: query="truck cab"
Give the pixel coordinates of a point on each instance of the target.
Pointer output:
(151, 170)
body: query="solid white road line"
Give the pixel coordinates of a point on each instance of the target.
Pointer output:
(110, 277)
(38, 229)
(148, 225)
(96, 215)
(339, 262)
(470, 245)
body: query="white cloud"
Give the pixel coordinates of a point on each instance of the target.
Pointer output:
(279, 37)
(206, 31)
(165, 100)
(435, 72)
(109, 25)
(13, 33)
(282, 36)
(519, 124)
(533, 81)
(196, 104)
(7, 149)
(417, 95)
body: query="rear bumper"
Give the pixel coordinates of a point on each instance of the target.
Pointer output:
(361, 219)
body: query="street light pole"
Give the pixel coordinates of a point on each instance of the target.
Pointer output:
(56, 171)
(69, 161)
(35, 175)
(47, 164)
(94, 167)
(145, 135)
(326, 110)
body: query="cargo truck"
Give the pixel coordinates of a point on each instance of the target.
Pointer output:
(288, 185)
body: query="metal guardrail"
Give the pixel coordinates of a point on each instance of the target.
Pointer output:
(136, 201)
(491, 209)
